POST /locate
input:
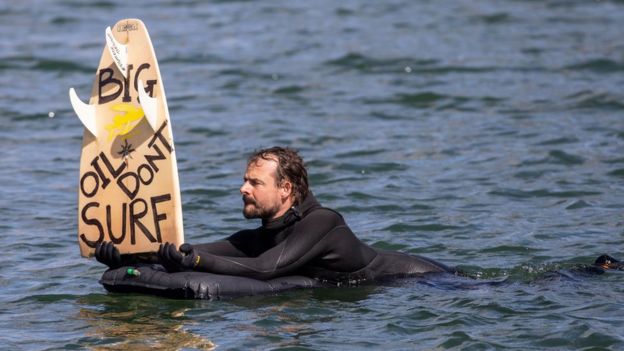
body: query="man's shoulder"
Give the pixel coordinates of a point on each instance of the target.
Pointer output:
(245, 234)
(324, 214)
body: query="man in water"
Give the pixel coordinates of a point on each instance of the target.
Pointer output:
(297, 237)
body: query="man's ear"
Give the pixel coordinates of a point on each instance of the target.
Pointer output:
(286, 189)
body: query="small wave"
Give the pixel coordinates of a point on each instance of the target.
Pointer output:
(617, 173)
(385, 245)
(194, 59)
(61, 66)
(419, 100)
(357, 195)
(343, 12)
(530, 175)
(508, 249)
(206, 192)
(525, 194)
(528, 272)
(245, 74)
(289, 90)
(559, 141)
(359, 153)
(578, 205)
(597, 66)
(556, 157)
(60, 20)
(561, 157)
(207, 132)
(594, 100)
(441, 102)
(87, 4)
(403, 65)
(433, 227)
(17, 117)
(389, 117)
(421, 207)
(494, 18)
(364, 64)
(373, 167)
(47, 298)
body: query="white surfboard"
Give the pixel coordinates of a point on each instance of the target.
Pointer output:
(128, 190)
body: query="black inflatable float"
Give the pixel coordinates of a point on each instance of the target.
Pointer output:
(154, 280)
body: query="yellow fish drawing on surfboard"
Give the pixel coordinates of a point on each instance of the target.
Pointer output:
(124, 122)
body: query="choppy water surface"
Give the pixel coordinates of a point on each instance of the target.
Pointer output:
(488, 135)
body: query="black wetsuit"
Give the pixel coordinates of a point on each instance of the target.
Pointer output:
(313, 241)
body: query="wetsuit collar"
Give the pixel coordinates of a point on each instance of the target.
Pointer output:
(293, 215)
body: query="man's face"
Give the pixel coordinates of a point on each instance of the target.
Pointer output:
(262, 197)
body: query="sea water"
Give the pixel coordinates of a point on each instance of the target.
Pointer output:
(488, 135)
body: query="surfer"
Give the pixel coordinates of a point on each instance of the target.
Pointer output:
(298, 236)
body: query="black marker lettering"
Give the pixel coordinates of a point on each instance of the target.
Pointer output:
(109, 166)
(102, 82)
(150, 83)
(134, 221)
(91, 221)
(109, 224)
(123, 185)
(95, 186)
(98, 169)
(161, 137)
(126, 97)
(150, 172)
(159, 216)
(151, 158)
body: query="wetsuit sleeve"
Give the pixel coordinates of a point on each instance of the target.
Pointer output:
(229, 246)
(300, 247)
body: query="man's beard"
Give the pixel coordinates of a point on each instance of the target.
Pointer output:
(257, 211)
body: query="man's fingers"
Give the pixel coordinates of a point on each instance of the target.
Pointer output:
(98, 252)
(186, 248)
(116, 256)
(168, 252)
(174, 254)
(108, 252)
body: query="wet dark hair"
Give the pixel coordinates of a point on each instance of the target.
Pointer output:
(290, 167)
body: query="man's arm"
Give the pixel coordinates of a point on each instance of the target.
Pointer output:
(221, 248)
(302, 246)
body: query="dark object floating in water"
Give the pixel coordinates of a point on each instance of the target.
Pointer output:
(154, 280)
(608, 262)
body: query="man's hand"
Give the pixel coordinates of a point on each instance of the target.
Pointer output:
(174, 260)
(108, 254)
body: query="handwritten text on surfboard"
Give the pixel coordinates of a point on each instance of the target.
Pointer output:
(137, 213)
(107, 81)
(138, 210)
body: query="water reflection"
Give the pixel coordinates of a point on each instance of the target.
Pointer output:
(138, 325)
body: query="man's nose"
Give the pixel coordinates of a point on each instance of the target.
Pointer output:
(244, 189)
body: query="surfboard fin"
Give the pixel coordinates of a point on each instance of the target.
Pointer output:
(85, 112)
(118, 51)
(149, 105)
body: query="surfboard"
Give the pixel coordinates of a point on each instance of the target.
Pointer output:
(128, 190)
